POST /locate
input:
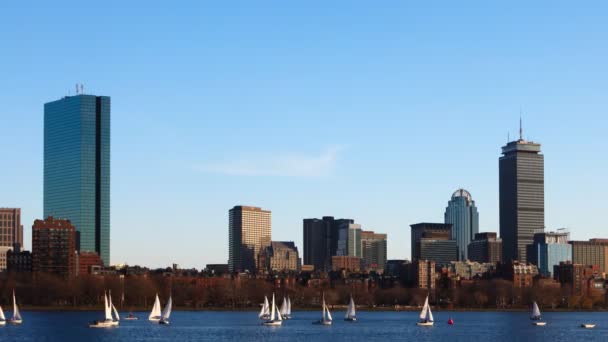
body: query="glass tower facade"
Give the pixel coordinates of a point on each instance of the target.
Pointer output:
(77, 167)
(549, 249)
(462, 213)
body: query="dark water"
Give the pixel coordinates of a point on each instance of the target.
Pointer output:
(372, 326)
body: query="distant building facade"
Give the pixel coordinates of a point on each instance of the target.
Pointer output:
(433, 241)
(462, 213)
(54, 247)
(523, 274)
(521, 197)
(440, 231)
(11, 230)
(249, 233)
(421, 274)
(580, 278)
(548, 250)
(77, 167)
(349, 239)
(485, 247)
(470, 269)
(85, 261)
(592, 252)
(346, 263)
(18, 260)
(283, 256)
(373, 251)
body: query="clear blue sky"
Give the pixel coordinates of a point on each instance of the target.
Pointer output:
(375, 111)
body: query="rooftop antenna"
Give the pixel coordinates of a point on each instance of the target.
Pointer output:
(76, 88)
(521, 131)
(82, 88)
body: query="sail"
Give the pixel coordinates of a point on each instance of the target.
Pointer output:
(266, 306)
(273, 309)
(263, 309)
(425, 309)
(279, 315)
(167, 311)
(2, 318)
(430, 314)
(16, 314)
(155, 309)
(283, 310)
(535, 311)
(107, 307)
(288, 306)
(116, 316)
(350, 312)
(328, 313)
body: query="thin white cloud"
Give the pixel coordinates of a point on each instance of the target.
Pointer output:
(286, 165)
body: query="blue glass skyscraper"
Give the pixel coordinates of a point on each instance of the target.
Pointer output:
(548, 249)
(462, 213)
(77, 167)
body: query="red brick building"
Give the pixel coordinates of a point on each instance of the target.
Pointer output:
(85, 260)
(54, 247)
(347, 263)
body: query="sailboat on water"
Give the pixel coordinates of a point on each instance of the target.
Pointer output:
(351, 315)
(2, 318)
(16, 319)
(164, 318)
(285, 308)
(536, 317)
(109, 321)
(288, 314)
(265, 311)
(325, 315)
(426, 316)
(155, 313)
(275, 316)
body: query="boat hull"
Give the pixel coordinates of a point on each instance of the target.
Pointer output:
(539, 324)
(163, 322)
(15, 321)
(322, 322)
(272, 323)
(154, 319)
(131, 319)
(588, 326)
(351, 319)
(2, 323)
(103, 324)
(425, 324)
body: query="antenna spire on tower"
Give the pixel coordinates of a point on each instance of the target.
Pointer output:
(521, 131)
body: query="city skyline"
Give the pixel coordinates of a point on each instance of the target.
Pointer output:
(348, 117)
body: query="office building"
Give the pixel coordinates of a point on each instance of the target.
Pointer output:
(86, 261)
(11, 230)
(523, 274)
(349, 239)
(470, 269)
(321, 238)
(54, 247)
(249, 233)
(441, 231)
(18, 260)
(462, 213)
(77, 167)
(373, 251)
(592, 252)
(548, 250)
(579, 278)
(433, 241)
(485, 247)
(282, 256)
(521, 197)
(421, 274)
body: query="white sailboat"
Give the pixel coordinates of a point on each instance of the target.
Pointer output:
(536, 317)
(283, 310)
(265, 311)
(351, 314)
(164, 319)
(288, 315)
(325, 315)
(16, 319)
(275, 316)
(108, 322)
(426, 316)
(2, 318)
(155, 313)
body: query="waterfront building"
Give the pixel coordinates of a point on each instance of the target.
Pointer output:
(581, 279)
(373, 251)
(395, 267)
(441, 231)
(523, 274)
(592, 252)
(462, 213)
(421, 274)
(54, 247)
(86, 261)
(548, 250)
(521, 197)
(485, 247)
(18, 260)
(77, 167)
(433, 241)
(321, 238)
(470, 269)
(249, 233)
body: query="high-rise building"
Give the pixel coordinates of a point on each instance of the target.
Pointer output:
(349, 239)
(462, 213)
(249, 232)
(521, 197)
(321, 238)
(421, 274)
(77, 167)
(592, 252)
(18, 260)
(548, 250)
(432, 232)
(485, 248)
(373, 251)
(11, 230)
(54, 247)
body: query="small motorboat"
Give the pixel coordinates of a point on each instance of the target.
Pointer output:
(131, 317)
(587, 326)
